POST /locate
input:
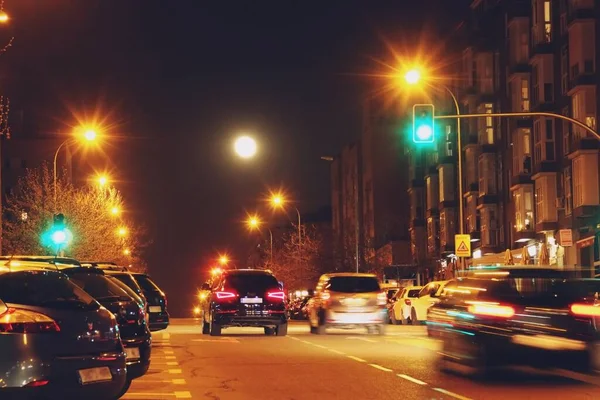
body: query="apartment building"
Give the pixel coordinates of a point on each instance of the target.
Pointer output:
(525, 180)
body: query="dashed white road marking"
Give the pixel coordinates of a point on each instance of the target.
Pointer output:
(319, 346)
(177, 395)
(379, 367)
(174, 371)
(456, 396)
(361, 338)
(336, 351)
(413, 380)
(173, 381)
(356, 359)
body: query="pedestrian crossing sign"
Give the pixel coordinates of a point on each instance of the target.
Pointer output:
(462, 245)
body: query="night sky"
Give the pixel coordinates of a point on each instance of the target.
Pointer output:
(179, 79)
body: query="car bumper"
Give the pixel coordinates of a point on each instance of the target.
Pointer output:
(236, 320)
(61, 374)
(138, 366)
(158, 321)
(356, 318)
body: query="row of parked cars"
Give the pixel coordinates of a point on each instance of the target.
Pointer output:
(71, 329)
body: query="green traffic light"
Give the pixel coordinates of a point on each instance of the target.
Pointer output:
(423, 124)
(59, 237)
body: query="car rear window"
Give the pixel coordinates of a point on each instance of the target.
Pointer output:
(44, 289)
(99, 286)
(126, 288)
(251, 282)
(146, 283)
(353, 284)
(128, 280)
(413, 293)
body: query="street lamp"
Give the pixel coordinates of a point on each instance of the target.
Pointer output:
(245, 147)
(115, 211)
(102, 181)
(89, 135)
(127, 252)
(277, 201)
(253, 222)
(122, 231)
(223, 259)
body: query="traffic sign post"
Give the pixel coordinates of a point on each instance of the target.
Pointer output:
(462, 245)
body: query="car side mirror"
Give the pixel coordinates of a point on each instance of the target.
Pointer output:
(205, 286)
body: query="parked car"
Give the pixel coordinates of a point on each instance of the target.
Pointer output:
(130, 315)
(57, 341)
(245, 297)
(157, 302)
(428, 296)
(348, 300)
(401, 306)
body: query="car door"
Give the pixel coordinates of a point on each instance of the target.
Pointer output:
(424, 301)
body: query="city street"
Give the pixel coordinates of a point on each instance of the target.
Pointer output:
(245, 364)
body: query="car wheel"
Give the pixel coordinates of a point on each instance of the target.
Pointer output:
(124, 389)
(594, 357)
(413, 316)
(205, 328)
(269, 331)
(215, 329)
(321, 329)
(281, 330)
(313, 329)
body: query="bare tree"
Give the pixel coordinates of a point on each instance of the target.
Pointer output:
(88, 212)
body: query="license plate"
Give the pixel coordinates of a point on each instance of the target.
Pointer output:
(132, 352)
(91, 375)
(155, 309)
(251, 300)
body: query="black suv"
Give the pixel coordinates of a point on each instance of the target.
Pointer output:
(245, 297)
(156, 300)
(534, 317)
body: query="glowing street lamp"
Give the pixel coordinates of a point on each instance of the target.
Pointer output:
(127, 252)
(122, 231)
(216, 271)
(253, 222)
(277, 201)
(223, 259)
(102, 181)
(245, 147)
(413, 76)
(115, 211)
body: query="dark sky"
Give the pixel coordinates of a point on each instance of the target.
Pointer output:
(180, 78)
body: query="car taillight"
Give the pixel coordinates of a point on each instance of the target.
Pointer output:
(492, 310)
(407, 302)
(15, 320)
(381, 298)
(225, 295)
(276, 295)
(325, 295)
(585, 310)
(37, 383)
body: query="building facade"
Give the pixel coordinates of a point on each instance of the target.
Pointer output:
(527, 181)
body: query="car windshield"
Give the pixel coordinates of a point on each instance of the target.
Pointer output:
(251, 282)
(353, 284)
(413, 293)
(44, 289)
(99, 286)
(126, 288)
(146, 283)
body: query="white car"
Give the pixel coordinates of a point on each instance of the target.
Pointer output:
(400, 310)
(428, 296)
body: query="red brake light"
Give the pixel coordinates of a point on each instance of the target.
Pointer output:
(381, 298)
(278, 295)
(224, 295)
(586, 310)
(24, 321)
(492, 310)
(407, 302)
(37, 383)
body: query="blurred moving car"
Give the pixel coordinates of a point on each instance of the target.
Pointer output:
(401, 305)
(56, 340)
(157, 302)
(348, 300)
(245, 297)
(535, 317)
(298, 308)
(129, 312)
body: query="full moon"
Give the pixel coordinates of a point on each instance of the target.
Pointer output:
(245, 147)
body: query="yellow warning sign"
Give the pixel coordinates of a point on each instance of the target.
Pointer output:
(462, 245)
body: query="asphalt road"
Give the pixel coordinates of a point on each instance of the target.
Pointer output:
(245, 364)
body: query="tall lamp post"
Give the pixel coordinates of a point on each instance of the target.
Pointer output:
(89, 136)
(253, 222)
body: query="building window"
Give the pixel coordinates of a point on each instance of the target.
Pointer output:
(547, 21)
(578, 179)
(584, 110)
(447, 185)
(523, 201)
(489, 227)
(568, 191)
(432, 236)
(544, 148)
(473, 222)
(449, 141)
(487, 174)
(524, 95)
(564, 69)
(566, 132)
(539, 199)
(535, 90)
(486, 128)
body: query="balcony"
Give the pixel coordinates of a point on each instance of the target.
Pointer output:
(524, 236)
(545, 166)
(581, 82)
(580, 13)
(519, 68)
(585, 143)
(546, 226)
